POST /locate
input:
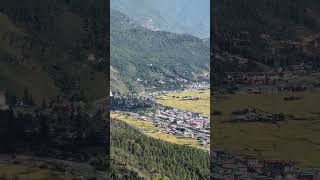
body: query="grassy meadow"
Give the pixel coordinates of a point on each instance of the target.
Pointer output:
(146, 126)
(174, 99)
(290, 140)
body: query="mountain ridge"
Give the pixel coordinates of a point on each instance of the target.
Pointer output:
(183, 17)
(145, 58)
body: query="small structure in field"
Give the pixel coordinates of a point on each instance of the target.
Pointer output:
(291, 98)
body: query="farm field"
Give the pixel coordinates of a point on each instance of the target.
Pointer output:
(174, 99)
(290, 140)
(149, 129)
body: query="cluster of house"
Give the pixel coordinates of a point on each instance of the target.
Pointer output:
(196, 86)
(184, 123)
(153, 96)
(257, 77)
(271, 75)
(266, 89)
(165, 79)
(227, 166)
(190, 98)
(137, 116)
(162, 80)
(251, 115)
(205, 75)
(288, 88)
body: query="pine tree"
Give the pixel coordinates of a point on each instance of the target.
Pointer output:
(26, 95)
(31, 101)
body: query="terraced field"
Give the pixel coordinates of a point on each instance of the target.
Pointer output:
(290, 140)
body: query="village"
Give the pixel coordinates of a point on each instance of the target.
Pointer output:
(295, 78)
(171, 83)
(178, 123)
(257, 115)
(153, 95)
(170, 120)
(270, 75)
(227, 166)
(184, 123)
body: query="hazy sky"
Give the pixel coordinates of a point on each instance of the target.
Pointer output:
(181, 16)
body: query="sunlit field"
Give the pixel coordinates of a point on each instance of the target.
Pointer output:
(289, 140)
(175, 99)
(149, 129)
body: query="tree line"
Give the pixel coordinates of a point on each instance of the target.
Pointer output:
(156, 157)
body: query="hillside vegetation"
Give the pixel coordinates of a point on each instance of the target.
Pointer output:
(160, 158)
(183, 17)
(52, 68)
(44, 46)
(142, 58)
(266, 34)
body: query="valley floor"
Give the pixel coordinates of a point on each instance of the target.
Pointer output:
(294, 139)
(148, 128)
(161, 129)
(175, 99)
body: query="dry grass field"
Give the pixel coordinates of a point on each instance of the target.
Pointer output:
(174, 99)
(289, 140)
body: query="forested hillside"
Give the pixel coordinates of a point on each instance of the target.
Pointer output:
(151, 158)
(257, 35)
(45, 45)
(52, 77)
(142, 58)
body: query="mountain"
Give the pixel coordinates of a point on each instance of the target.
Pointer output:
(45, 45)
(142, 58)
(257, 36)
(179, 16)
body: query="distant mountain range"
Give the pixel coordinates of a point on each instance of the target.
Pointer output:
(179, 16)
(142, 58)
